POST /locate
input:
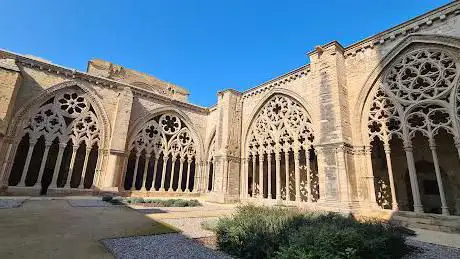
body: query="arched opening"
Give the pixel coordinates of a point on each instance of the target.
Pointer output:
(45, 156)
(162, 155)
(281, 161)
(410, 124)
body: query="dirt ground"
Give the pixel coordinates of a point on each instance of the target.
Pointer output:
(55, 229)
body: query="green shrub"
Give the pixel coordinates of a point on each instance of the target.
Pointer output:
(164, 203)
(180, 203)
(261, 232)
(116, 201)
(107, 198)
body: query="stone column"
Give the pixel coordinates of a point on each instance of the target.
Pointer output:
(22, 181)
(71, 167)
(187, 185)
(445, 209)
(278, 175)
(173, 170)
(286, 164)
(179, 181)
(297, 174)
(261, 176)
(269, 175)
(307, 165)
(81, 184)
(163, 173)
(135, 173)
(43, 163)
(155, 170)
(418, 207)
(146, 170)
(370, 175)
(57, 166)
(245, 178)
(394, 201)
(253, 192)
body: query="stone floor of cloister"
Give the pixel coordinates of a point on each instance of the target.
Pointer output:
(83, 227)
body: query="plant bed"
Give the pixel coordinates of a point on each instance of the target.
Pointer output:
(262, 232)
(152, 202)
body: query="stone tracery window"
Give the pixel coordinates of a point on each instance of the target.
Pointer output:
(59, 144)
(162, 156)
(418, 95)
(278, 150)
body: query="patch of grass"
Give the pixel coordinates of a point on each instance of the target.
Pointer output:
(262, 232)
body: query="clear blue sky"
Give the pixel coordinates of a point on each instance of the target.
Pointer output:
(204, 46)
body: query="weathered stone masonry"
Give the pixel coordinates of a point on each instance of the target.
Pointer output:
(372, 126)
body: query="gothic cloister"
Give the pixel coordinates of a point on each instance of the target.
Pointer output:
(374, 126)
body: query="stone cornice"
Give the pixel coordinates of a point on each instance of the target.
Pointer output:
(9, 64)
(413, 25)
(283, 79)
(235, 92)
(99, 81)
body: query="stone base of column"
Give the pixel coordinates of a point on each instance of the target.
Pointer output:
(445, 211)
(418, 209)
(223, 198)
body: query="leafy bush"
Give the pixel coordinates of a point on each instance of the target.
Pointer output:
(261, 232)
(116, 201)
(107, 198)
(163, 203)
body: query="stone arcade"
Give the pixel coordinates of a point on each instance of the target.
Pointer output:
(374, 126)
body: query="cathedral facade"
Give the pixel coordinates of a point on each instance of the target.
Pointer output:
(371, 126)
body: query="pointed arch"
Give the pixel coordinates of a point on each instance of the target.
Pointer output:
(164, 148)
(278, 152)
(27, 110)
(66, 129)
(275, 91)
(413, 95)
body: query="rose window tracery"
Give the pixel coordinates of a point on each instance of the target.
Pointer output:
(421, 74)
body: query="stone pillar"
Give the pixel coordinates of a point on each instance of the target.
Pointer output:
(394, 201)
(10, 81)
(228, 143)
(445, 209)
(418, 207)
(112, 174)
(328, 73)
